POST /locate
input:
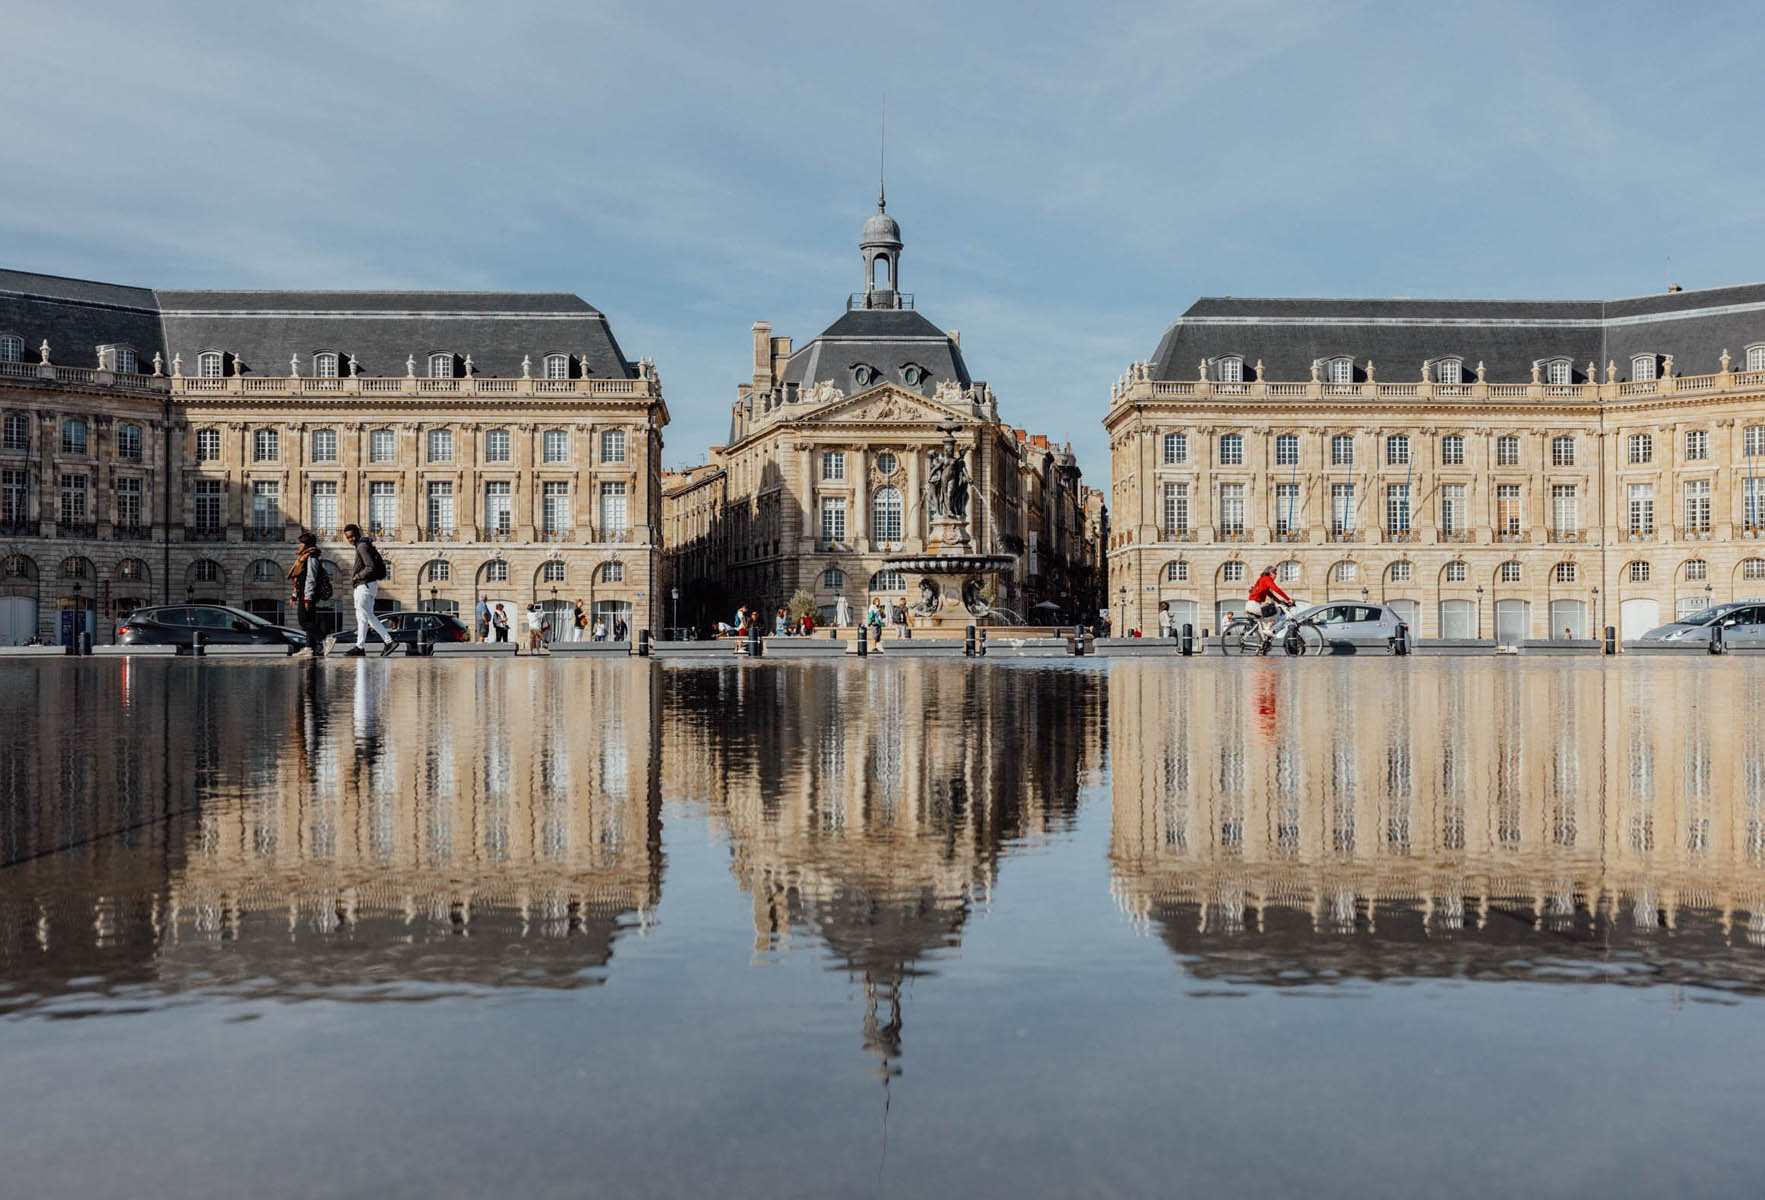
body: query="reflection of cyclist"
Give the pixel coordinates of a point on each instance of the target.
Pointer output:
(1266, 602)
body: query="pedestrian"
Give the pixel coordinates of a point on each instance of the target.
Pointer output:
(364, 581)
(311, 584)
(536, 626)
(482, 615)
(780, 623)
(600, 629)
(807, 627)
(499, 623)
(874, 618)
(1164, 619)
(578, 621)
(620, 629)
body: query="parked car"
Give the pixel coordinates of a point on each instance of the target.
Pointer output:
(407, 627)
(1347, 621)
(1742, 624)
(178, 625)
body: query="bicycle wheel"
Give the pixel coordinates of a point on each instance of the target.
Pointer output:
(1305, 638)
(1240, 637)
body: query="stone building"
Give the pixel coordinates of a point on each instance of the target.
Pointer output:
(499, 444)
(825, 473)
(1507, 469)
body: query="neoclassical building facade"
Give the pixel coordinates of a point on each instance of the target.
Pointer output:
(1516, 470)
(826, 470)
(499, 445)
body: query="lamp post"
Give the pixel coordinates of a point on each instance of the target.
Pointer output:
(674, 611)
(1479, 631)
(79, 616)
(1598, 624)
(434, 592)
(552, 615)
(1122, 632)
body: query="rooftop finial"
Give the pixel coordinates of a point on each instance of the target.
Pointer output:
(882, 158)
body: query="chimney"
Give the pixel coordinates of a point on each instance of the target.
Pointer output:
(1674, 287)
(956, 338)
(763, 355)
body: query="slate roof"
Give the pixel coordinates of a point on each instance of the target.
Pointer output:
(261, 329)
(888, 339)
(1508, 336)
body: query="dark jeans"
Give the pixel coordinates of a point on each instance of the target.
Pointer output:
(307, 613)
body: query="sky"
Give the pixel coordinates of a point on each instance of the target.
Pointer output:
(1068, 178)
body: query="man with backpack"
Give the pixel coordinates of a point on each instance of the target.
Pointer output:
(370, 569)
(312, 586)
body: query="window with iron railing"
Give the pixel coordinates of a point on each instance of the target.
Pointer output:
(1508, 513)
(207, 508)
(1697, 506)
(1452, 509)
(1231, 510)
(382, 507)
(498, 508)
(1341, 508)
(1640, 514)
(1176, 508)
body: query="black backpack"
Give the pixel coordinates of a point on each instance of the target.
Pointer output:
(322, 587)
(376, 563)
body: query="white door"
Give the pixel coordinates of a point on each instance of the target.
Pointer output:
(1512, 622)
(1458, 619)
(18, 620)
(1568, 619)
(1185, 612)
(1410, 613)
(1637, 617)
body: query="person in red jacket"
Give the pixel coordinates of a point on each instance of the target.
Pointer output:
(1266, 602)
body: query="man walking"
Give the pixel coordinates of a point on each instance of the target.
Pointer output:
(365, 579)
(311, 585)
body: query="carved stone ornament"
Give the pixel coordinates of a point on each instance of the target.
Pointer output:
(948, 392)
(43, 352)
(824, 392)
(1725, 360)
(294, 366)
(158, 364)
(177, 366)
(410, 367)
(1482, 371)
(928, 599)
(1611, 371)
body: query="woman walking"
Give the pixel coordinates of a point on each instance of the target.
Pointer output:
(310, 586)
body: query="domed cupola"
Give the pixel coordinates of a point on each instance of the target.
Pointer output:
(880, 243)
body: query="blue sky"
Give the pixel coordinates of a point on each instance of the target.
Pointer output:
(1068, 178)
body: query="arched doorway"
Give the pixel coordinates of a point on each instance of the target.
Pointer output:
(1637, 616)
(18, 599)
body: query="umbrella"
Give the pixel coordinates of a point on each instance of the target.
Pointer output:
(1048, 604)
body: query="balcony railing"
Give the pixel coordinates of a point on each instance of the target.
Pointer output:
(618, 534)
(1232, 535)
(83, 376)
(445, 533)
(341, 388)
(1565, 535)
(131, 532)
(1646, 534)
(76, 529)
(1176, 535)
(205, 533)
(831, 545)
(385, 533)
(1341, 535)
(264, 533)
(1510, 535)
(1400, 535)
(1455, 535)
(19, 529)
(554, 535)
(1289, 535)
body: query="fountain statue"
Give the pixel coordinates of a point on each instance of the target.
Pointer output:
(952, 578)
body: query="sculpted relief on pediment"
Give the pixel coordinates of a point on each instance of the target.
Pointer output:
(888, 403)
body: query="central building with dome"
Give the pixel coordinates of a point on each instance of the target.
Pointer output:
(824, 477)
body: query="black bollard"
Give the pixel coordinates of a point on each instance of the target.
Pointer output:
(643, 643)
(1401, 643)
(863, 642)
(196, 644)
(1186, 643)
(1716, 643)
(968, 642)
(980, 643)
(85, 643)
(1611, 639)
(756, 647)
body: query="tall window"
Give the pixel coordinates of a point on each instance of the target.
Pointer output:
(833, 465)
(1642, 449)
(1642, 367)
(12, 348)
(1558, 372)
(14, 497)
(1449, 370)
(441, 445)
(1641, 517)
(612, 445)
(1230, 369)
(128, 442)
(1697, 444)
(1753, 441)
(1507, 508)
(1755, 358)
(128, 503)
(1562, 452)
(325, 507)
(497, 446)
(1231, 509)
(1452, 450)
(1397, 450)
(73, 437)
(208, 506)
(833, 519)
(18, 431)
(441, 508)
(382, 445)
(1753, 503)
(1342, 450)
(557, 366)
(1287, 450)
(209, 364)
(1232, 450)
(1697, 506)
(1176, 508)
(73, 500)
(325, 365)
(498, 508)
(324, 445)
(382, 507)
(1287, 515)
(266, 505)
(266, 445)
(614, 519)
(1341, 370)
(1397, 508)
(1176, 449)
(885, 524)
(1341, 508)
(1452, 509)
(554, 508)
(1565, 511)
(441, 366)
(1507, 451)
(555, 446)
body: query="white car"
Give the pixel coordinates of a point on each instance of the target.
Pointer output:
(1349, 621)
(1742, 624)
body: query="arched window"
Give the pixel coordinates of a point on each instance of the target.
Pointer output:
(1342, 450)
(325, 364)
(206, 570)
(1753, 568)
(1755, 357)
(1507, 451)
(382, 445)
(1558, 371)
(18, 566)
(497, 446)
(441, 445)
(1229, 369)
(1563, 572)
(1562, 452)
(1397, 450)
(1644, 367)
(888, 581)
(324, 443)
(266, 445)
(496, 571)
(557, 366)
(1447, 370)
(118, 358)
(210, 364)
(1339, 369)
(1287, 572)
(1639, 572)
(552, 572)
(1402, 572)
(12, 348)
(266, 570)
(1509, 572)
(208, 445)
(885, 510)
(132, 570)
(438, 571)
(76, 568)
(441, 365)
(613, 572)
(833, 579)
(1232, 572)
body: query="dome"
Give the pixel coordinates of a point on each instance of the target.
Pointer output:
(880, 230)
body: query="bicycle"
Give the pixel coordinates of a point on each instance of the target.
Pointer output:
(1244, 635)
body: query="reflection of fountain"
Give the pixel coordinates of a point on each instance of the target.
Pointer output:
(952, 581)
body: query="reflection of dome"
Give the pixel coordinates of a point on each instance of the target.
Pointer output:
(880, 230)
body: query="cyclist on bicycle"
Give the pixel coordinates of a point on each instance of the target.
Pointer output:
(1266, 602)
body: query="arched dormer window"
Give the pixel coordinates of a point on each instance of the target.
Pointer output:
(117, 357)
(1449, 370)
(1755, 356)
(211, 364)
(1644, 367)
(1338, 368)
(325, 364)
(557, 366)
(441, 365)
(12, 348)
(1556, 371)
(1229, 368)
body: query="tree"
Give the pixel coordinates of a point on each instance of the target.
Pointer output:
(803, 605)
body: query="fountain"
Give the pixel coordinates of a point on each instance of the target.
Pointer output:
(952, 578)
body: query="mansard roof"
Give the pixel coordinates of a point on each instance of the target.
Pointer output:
(888, 339)
(1508, 336)
(75, 316)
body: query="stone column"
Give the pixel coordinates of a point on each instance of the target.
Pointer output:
(861, 500)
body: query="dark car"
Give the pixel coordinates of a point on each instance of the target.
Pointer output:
(408, 627)
(178, 625)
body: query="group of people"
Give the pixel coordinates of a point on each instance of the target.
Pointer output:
(493, 619)
(750, 621)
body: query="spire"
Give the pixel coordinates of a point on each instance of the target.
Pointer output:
(882, 158)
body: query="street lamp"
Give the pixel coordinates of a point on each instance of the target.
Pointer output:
(1122, 632)
(1597, 622)
(1479, 632)
(674, 613)
(434, 592)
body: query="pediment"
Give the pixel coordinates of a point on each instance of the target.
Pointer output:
(888, 404)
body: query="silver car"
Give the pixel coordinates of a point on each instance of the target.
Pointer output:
(1359, 622)
(1742, 624)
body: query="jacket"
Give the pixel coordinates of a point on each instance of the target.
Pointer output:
(369, 566)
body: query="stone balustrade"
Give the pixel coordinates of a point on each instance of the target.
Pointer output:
(1563, 393)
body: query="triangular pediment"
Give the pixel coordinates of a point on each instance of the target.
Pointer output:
(887, 404)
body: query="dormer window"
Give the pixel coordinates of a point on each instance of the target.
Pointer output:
(1755, 356)
(118, 358)
(1644, 367)
(913, 373)
(1337, 370)
(1447, 370)
(557, 366)
(325, 364)
(441, 366)
(12, 348)
(210, 364)
(1229, 369)
(1557, 371)
(864, 374)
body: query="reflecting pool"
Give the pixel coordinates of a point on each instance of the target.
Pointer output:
(450, 927)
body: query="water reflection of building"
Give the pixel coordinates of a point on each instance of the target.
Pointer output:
(368, 828)
(868, 810)
(1292, 825)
